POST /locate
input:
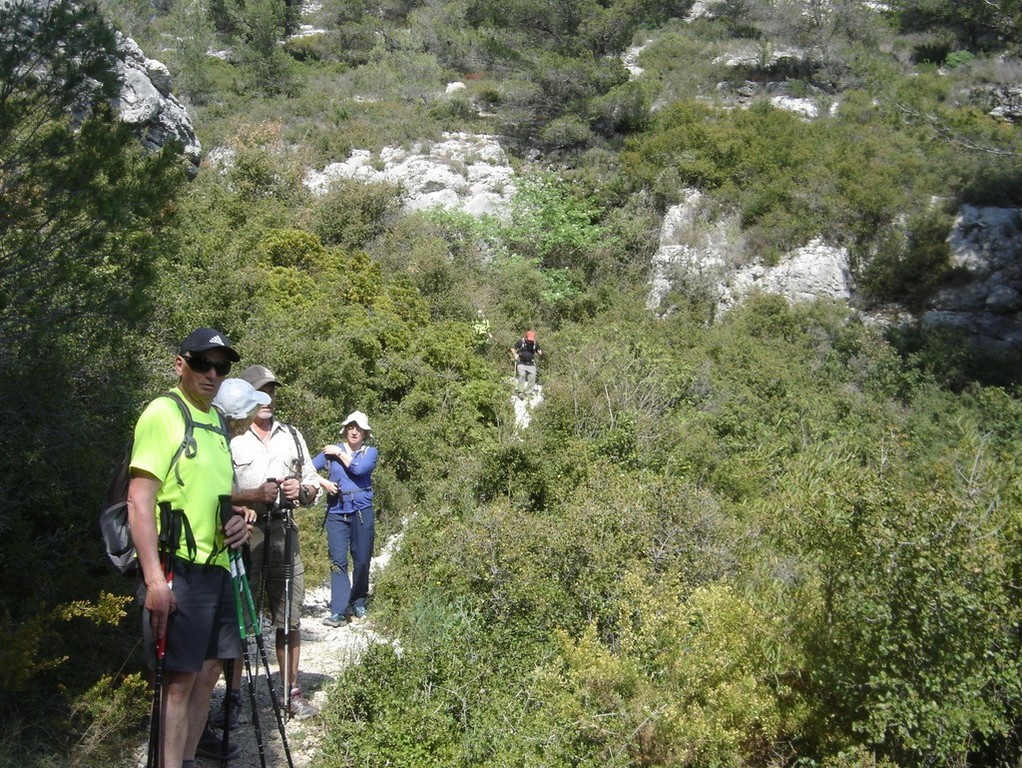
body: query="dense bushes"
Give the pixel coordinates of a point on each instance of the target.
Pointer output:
(793, 548)
(771, 541)
(85, 219)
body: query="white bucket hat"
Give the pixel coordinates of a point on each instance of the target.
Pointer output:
(237, 399)
(359, 419)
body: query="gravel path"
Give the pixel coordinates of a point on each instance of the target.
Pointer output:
(326, 652)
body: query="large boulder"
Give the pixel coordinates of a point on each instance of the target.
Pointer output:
(147, 103)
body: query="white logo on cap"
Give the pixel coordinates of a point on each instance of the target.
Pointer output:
(217, 340)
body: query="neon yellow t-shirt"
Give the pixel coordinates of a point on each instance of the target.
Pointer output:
(200, 476)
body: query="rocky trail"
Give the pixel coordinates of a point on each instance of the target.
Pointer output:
(326, 652)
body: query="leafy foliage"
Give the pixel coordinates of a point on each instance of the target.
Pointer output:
(85, 219)
(777, 540)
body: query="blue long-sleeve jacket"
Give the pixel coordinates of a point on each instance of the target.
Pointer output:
(354, 482)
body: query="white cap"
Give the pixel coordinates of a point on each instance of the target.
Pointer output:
(359, 419)
(237, 399)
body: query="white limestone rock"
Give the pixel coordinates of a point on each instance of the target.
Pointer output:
(814, 271)
(806, 108)
(691, 250)
(147, 103)
(630, 58)
(985, 300)
(468, 172)
(694, 252)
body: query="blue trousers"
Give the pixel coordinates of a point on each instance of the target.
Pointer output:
(354, 532)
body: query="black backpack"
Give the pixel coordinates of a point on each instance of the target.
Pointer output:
(113, 516)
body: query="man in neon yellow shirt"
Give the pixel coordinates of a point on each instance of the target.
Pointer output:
(189, 603)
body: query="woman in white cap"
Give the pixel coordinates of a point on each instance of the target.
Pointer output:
(350, 522)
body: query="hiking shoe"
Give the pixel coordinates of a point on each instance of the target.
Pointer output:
(335, 620)
(300, 708)
(210, 743)
(360, 611)
(217, 718)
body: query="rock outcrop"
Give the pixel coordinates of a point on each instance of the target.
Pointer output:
(985, 301)
(147, 103)
(814, 271)
(698, 254)
(1008, 104)
(692, 252)
(469, 172)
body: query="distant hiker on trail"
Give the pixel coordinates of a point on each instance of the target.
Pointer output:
(350, 520)
(526, 353)
(270, 450)
(174, 514)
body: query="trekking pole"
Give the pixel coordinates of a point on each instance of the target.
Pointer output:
(266, 662)
(246, 618)
(267, 523)
(155, 745)
(228, 677)
(156, 712)
(288, 577)
(250, 623)
(243, 625)
(289, 567)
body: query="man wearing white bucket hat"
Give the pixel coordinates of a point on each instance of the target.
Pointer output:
(350, 521)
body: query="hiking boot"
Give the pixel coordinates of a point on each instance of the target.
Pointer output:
(217, 717)
(210, 743)
(300, 708)
(360, 611)
(335, 620)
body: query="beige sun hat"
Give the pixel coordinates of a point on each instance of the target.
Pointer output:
(259, 376)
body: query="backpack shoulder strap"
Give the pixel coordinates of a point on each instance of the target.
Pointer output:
(176, 521)
(187, 447)
(298, 444)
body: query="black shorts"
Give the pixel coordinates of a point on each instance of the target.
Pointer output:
(205, 623)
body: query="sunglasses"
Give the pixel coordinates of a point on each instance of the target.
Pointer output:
(201, 364)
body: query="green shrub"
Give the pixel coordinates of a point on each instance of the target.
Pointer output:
(958, 59)
(352, 213)
(910, 270)
(552, 222)
(565, 133)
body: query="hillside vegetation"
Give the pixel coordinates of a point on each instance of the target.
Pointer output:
(786, 539)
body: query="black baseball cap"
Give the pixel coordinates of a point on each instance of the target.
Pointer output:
(203, 339)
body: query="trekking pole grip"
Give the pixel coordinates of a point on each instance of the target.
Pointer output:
(226, 508)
